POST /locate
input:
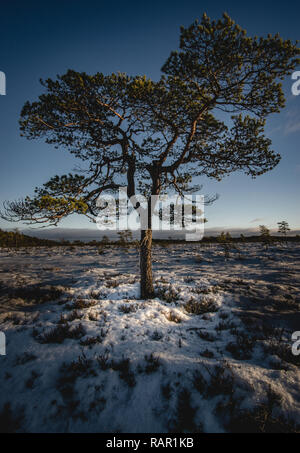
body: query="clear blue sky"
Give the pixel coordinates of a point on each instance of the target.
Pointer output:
(40, 39)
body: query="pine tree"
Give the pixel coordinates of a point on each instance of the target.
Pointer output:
(265, 235)
(283, 228)
(205, 116)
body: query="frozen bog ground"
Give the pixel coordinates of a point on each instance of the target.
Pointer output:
(211, 353)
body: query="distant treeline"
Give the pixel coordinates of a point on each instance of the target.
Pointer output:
(17, 239)
(216, 239)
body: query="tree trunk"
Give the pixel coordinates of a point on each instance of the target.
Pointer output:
(147, 289)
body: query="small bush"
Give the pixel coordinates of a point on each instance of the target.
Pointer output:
(112, 283)
(262, 418)
(98, 316)
(91, 341)
(61, 332)
(221, 381)
(95, 295)
(103, 360)
(200, 307)
(242, 348)
(125, 373)
(185, 414)
(169, 294)
(209, 290)
(81, 304)
(152, 363)
(206, 336)
(156, 336)
(128, 308)
(283, 351)
(80, 367)
(225, 325)
(24, 358)
(75, 314)
(69, 372)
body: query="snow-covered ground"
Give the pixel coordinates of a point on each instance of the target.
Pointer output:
(211, 353)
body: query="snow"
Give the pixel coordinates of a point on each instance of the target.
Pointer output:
(84, 382)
